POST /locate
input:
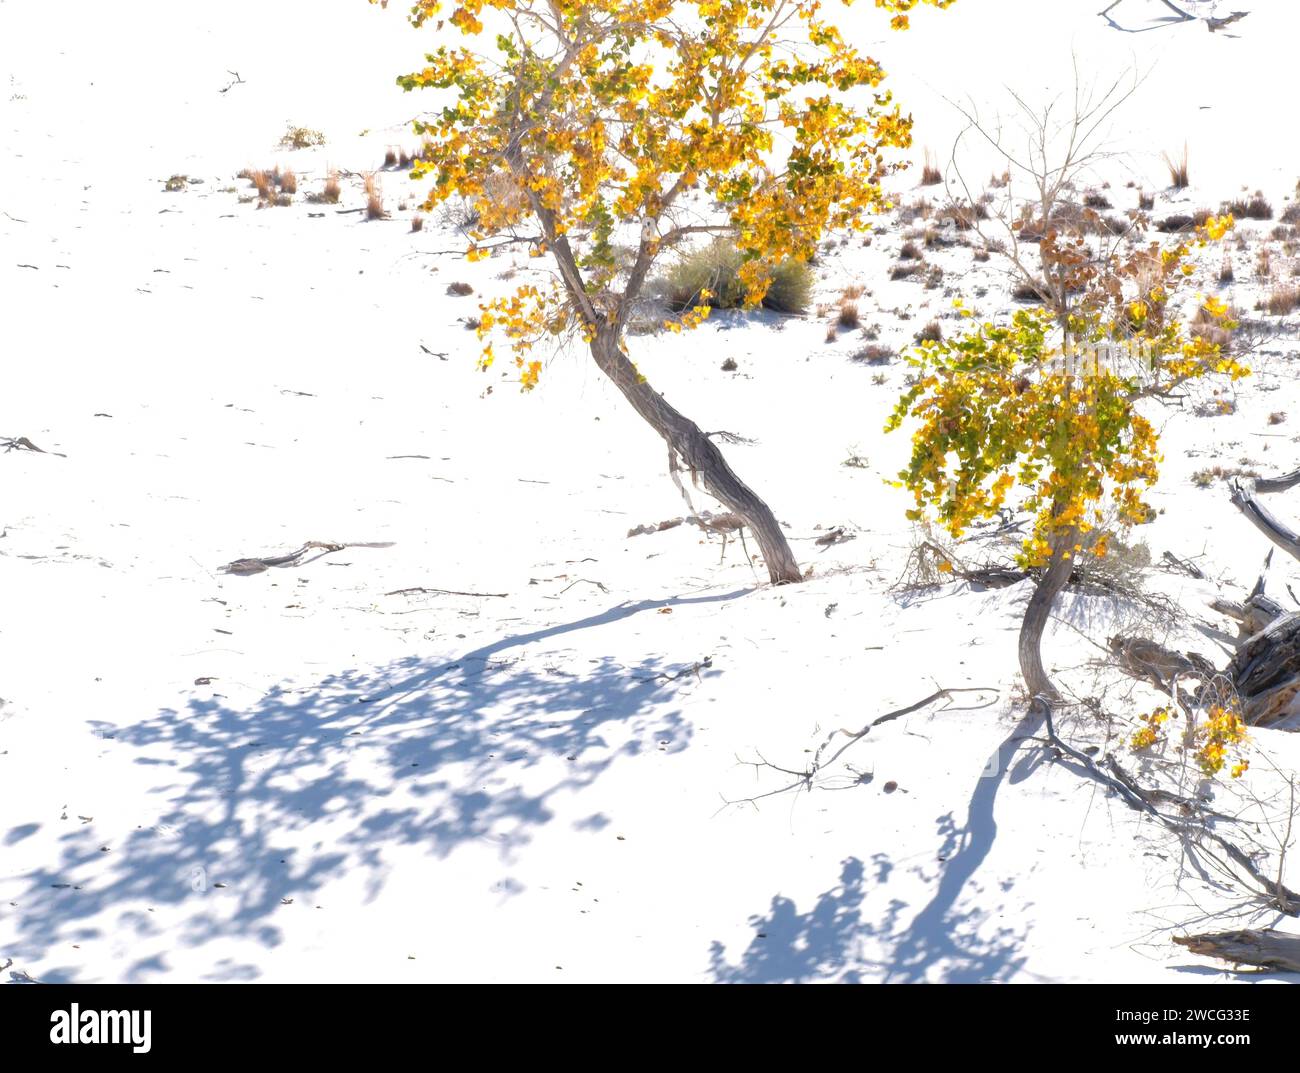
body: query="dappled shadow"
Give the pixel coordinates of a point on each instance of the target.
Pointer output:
(838, 939)
(263, 804)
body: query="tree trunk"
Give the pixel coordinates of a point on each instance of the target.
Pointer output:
(1267, 949)
(1039, 611)
(700, 455)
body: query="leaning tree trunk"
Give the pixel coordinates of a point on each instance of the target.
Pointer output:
(700, 455)
(1058, 571)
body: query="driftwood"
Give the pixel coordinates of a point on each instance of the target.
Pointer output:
(1269, 950)
(1266, 670)
(1244, 497)
(22, 443)
(1253, 614)
(1227, 20)
(245, 567)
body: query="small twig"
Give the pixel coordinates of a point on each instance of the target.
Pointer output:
(237, 82)
(245, 567)
(581, 581)
(804, 779)
(694, 669)
(444, 592)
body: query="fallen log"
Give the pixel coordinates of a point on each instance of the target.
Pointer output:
(1245, 498)
(1274, 951)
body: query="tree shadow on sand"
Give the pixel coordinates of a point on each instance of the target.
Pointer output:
(269, 801)
(839, 937)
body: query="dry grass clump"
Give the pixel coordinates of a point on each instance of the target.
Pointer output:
(1028, 292)
(874, 354)
(332, 189)
(1226, 274)
(288, 182)
(930, 173)
(1282, 300)
(264, 181)
(1291, 214)
(931, 333)
(1094, 200)
(904, 269)
(374, 199)
(1277, 417)
(1146, 202)
(390, 157)
(854, 290)
(909, 252)
(831, 334)
(981, 254)
(1253, 208)
(417, 223)
(1182, 221)
(848, 316)
(1178, 173)
(460, 290)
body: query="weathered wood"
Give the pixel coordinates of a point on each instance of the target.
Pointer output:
(1245, 499)
(1267, 949)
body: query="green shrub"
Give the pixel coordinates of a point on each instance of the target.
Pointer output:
(716, 268)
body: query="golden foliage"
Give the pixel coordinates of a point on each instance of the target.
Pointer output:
(597, 117)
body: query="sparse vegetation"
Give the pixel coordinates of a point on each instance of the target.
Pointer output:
(1203, 478)
(459, 289)
(1282, 300)
(930, 173)
(301, 138)
(903, 269)
(417, 223)
(715, 269)
(1254, 208)
(288, 182)
(932, 333)
(874, 354)
(1179, 176)
(909, 252)
(848, 315)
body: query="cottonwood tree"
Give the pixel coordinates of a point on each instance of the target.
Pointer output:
(1051, 404)
(617, 130)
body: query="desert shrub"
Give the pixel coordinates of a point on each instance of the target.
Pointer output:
(1291, 214)
(1254, 208)
(715, 269)
(301, 138)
